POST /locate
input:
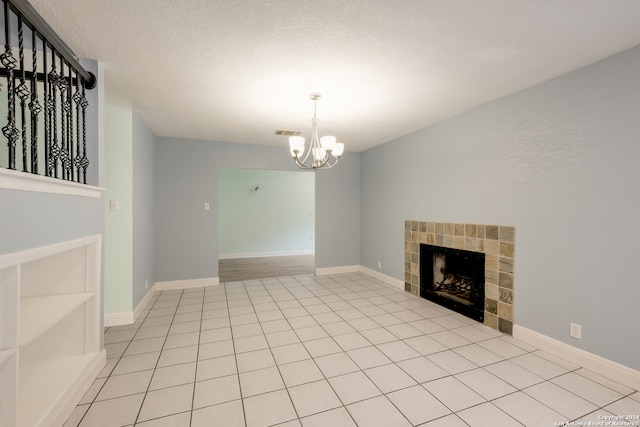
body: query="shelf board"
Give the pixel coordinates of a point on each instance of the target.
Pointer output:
(37, 314)
(43, 383)
(6, 354)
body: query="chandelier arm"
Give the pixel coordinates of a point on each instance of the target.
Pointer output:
(325, 164)
(306, 155)
(328, 164)
(299, 164)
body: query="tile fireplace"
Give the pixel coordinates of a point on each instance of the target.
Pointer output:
(496, 243)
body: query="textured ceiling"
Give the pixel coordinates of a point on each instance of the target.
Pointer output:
(237, 70)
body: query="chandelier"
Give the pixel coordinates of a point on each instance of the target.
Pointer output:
(325, 151)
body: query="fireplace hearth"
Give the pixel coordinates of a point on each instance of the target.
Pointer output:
(453, 278)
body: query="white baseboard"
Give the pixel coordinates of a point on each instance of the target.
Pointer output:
(117, 319)
(265, 254)
(128, 317)
(337, 270)
(187, 284)
(598, 364)
(143, 303)
(382, 277)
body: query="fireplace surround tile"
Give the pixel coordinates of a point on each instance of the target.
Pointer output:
(497, 242)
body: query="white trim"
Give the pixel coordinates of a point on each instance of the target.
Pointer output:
(382, 277)
(143, 303)
(118, 319)
(69, 400)
(15, 258)
(598, 364)
(15, 180)
(128, 317)
(337, 270)
(265, 254)
(186, 284)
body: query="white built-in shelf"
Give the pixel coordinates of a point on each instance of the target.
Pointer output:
(37, 398)
(38, 314)
(6, 355)
(50, 331)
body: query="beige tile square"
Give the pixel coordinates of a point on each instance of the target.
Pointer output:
(389, 378)
(314, 397)
(113, 412)
(322, 347)
(173, 375)
(418, 405)
(336, 364)
(377, 412)
(354, 387)
(260, 381)
(368, 357)
(216, 367)
(254, 360)
(126, 384)
(231, 412)
(179, 355)
(269, 409)
(301, 372)
(252, 343)
(338, 417)
(178, 420)
(215, 391)
(167, 401)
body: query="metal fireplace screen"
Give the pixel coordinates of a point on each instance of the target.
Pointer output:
(453, 278)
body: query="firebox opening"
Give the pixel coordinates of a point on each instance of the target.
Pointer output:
(453, 278)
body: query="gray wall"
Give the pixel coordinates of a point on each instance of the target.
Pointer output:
(338, 214)
(186, 176)
(558, 161)
(143, 191)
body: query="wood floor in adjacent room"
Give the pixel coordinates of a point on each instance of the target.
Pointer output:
(236, 269)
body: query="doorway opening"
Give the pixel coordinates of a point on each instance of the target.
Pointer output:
(266, 223)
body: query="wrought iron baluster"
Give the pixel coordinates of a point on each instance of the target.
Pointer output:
(84, 162)
(47, 110)
(69, 108)
(55, 151)
(9, 62)
(23, 93)
(64, 118)
(34, 105)
(77, 97)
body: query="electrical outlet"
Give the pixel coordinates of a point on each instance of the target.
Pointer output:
(576, 331)
(379, 264)
(146, 284)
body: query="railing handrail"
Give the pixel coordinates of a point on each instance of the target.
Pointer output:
(35, 21)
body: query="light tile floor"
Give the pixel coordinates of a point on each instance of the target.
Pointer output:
(338, 350)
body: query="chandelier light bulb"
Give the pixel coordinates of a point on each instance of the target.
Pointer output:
(338, 150)
(296, 143)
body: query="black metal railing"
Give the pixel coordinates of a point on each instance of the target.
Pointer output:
(46, 103)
